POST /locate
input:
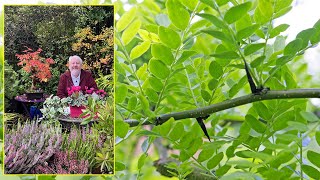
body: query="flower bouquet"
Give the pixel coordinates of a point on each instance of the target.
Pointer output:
(78, 100)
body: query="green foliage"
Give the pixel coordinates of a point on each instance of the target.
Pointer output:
(177, 62)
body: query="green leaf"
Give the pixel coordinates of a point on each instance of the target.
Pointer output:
(298, 126)
(155, 83)
(148, 133)
(293, 47)
(126, 19)
(142, 160)
(209, 3)
(205, 95)
(316, 36)
(310, 117)
(130, 32)
(215, 70)
(162, 53)
(280, 122)
(246, 32)
(214, 20)
(121, 93)
(205, 154)
(282, 12)
(277, 30)
(262, 110)
(255, 124)
(263, 12)
(279, 44)
(237, 12)
(132, 103)
(226, 55)
(185, 55)
(119, 166)
(311, 171)
(257, 62)
(177, 132)
(190, 4)
(169, 37)
(218, 34)
(144, 103)
(230, 151)
(317, 136)
(194, 146)
(305, 36)
(165, 128)
(215, 160)
(253, 154)
(252, 48)
(139, 50)
(141, 73)
(152, 95)
(213, 84)
(223, 170)
(178, 14)
(279, 5)
(158, 68)
(314, 158)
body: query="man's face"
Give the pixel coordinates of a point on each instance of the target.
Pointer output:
(75, 66)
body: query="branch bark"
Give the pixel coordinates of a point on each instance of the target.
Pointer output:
(207, 110)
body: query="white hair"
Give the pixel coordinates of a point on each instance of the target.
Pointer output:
(77, 57)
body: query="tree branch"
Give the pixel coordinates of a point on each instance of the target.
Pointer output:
(207, 110)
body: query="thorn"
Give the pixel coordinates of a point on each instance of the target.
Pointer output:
(202, 125)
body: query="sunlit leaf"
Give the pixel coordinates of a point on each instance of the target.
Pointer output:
(130, 32)
(126, 19)
(139, 50)
(178, 14)
(237, 12)
(162, 53)
(169, 37)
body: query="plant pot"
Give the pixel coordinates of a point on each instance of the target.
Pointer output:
(34, 95)
(75, 111)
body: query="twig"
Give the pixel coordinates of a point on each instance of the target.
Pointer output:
(207, 110)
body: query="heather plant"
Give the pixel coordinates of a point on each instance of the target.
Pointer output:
(29, 145)
(64, 162)
(84, 142)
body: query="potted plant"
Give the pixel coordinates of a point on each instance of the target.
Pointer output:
(78, 100)
(37, 67)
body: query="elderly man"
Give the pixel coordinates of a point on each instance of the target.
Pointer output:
(76, 76)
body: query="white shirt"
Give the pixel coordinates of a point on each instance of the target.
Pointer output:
(76, 80)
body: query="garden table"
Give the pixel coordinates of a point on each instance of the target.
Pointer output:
(27, 102)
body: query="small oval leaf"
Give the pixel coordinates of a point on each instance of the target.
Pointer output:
(237, 12)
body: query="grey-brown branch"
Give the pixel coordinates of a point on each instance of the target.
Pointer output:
(204, 111)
